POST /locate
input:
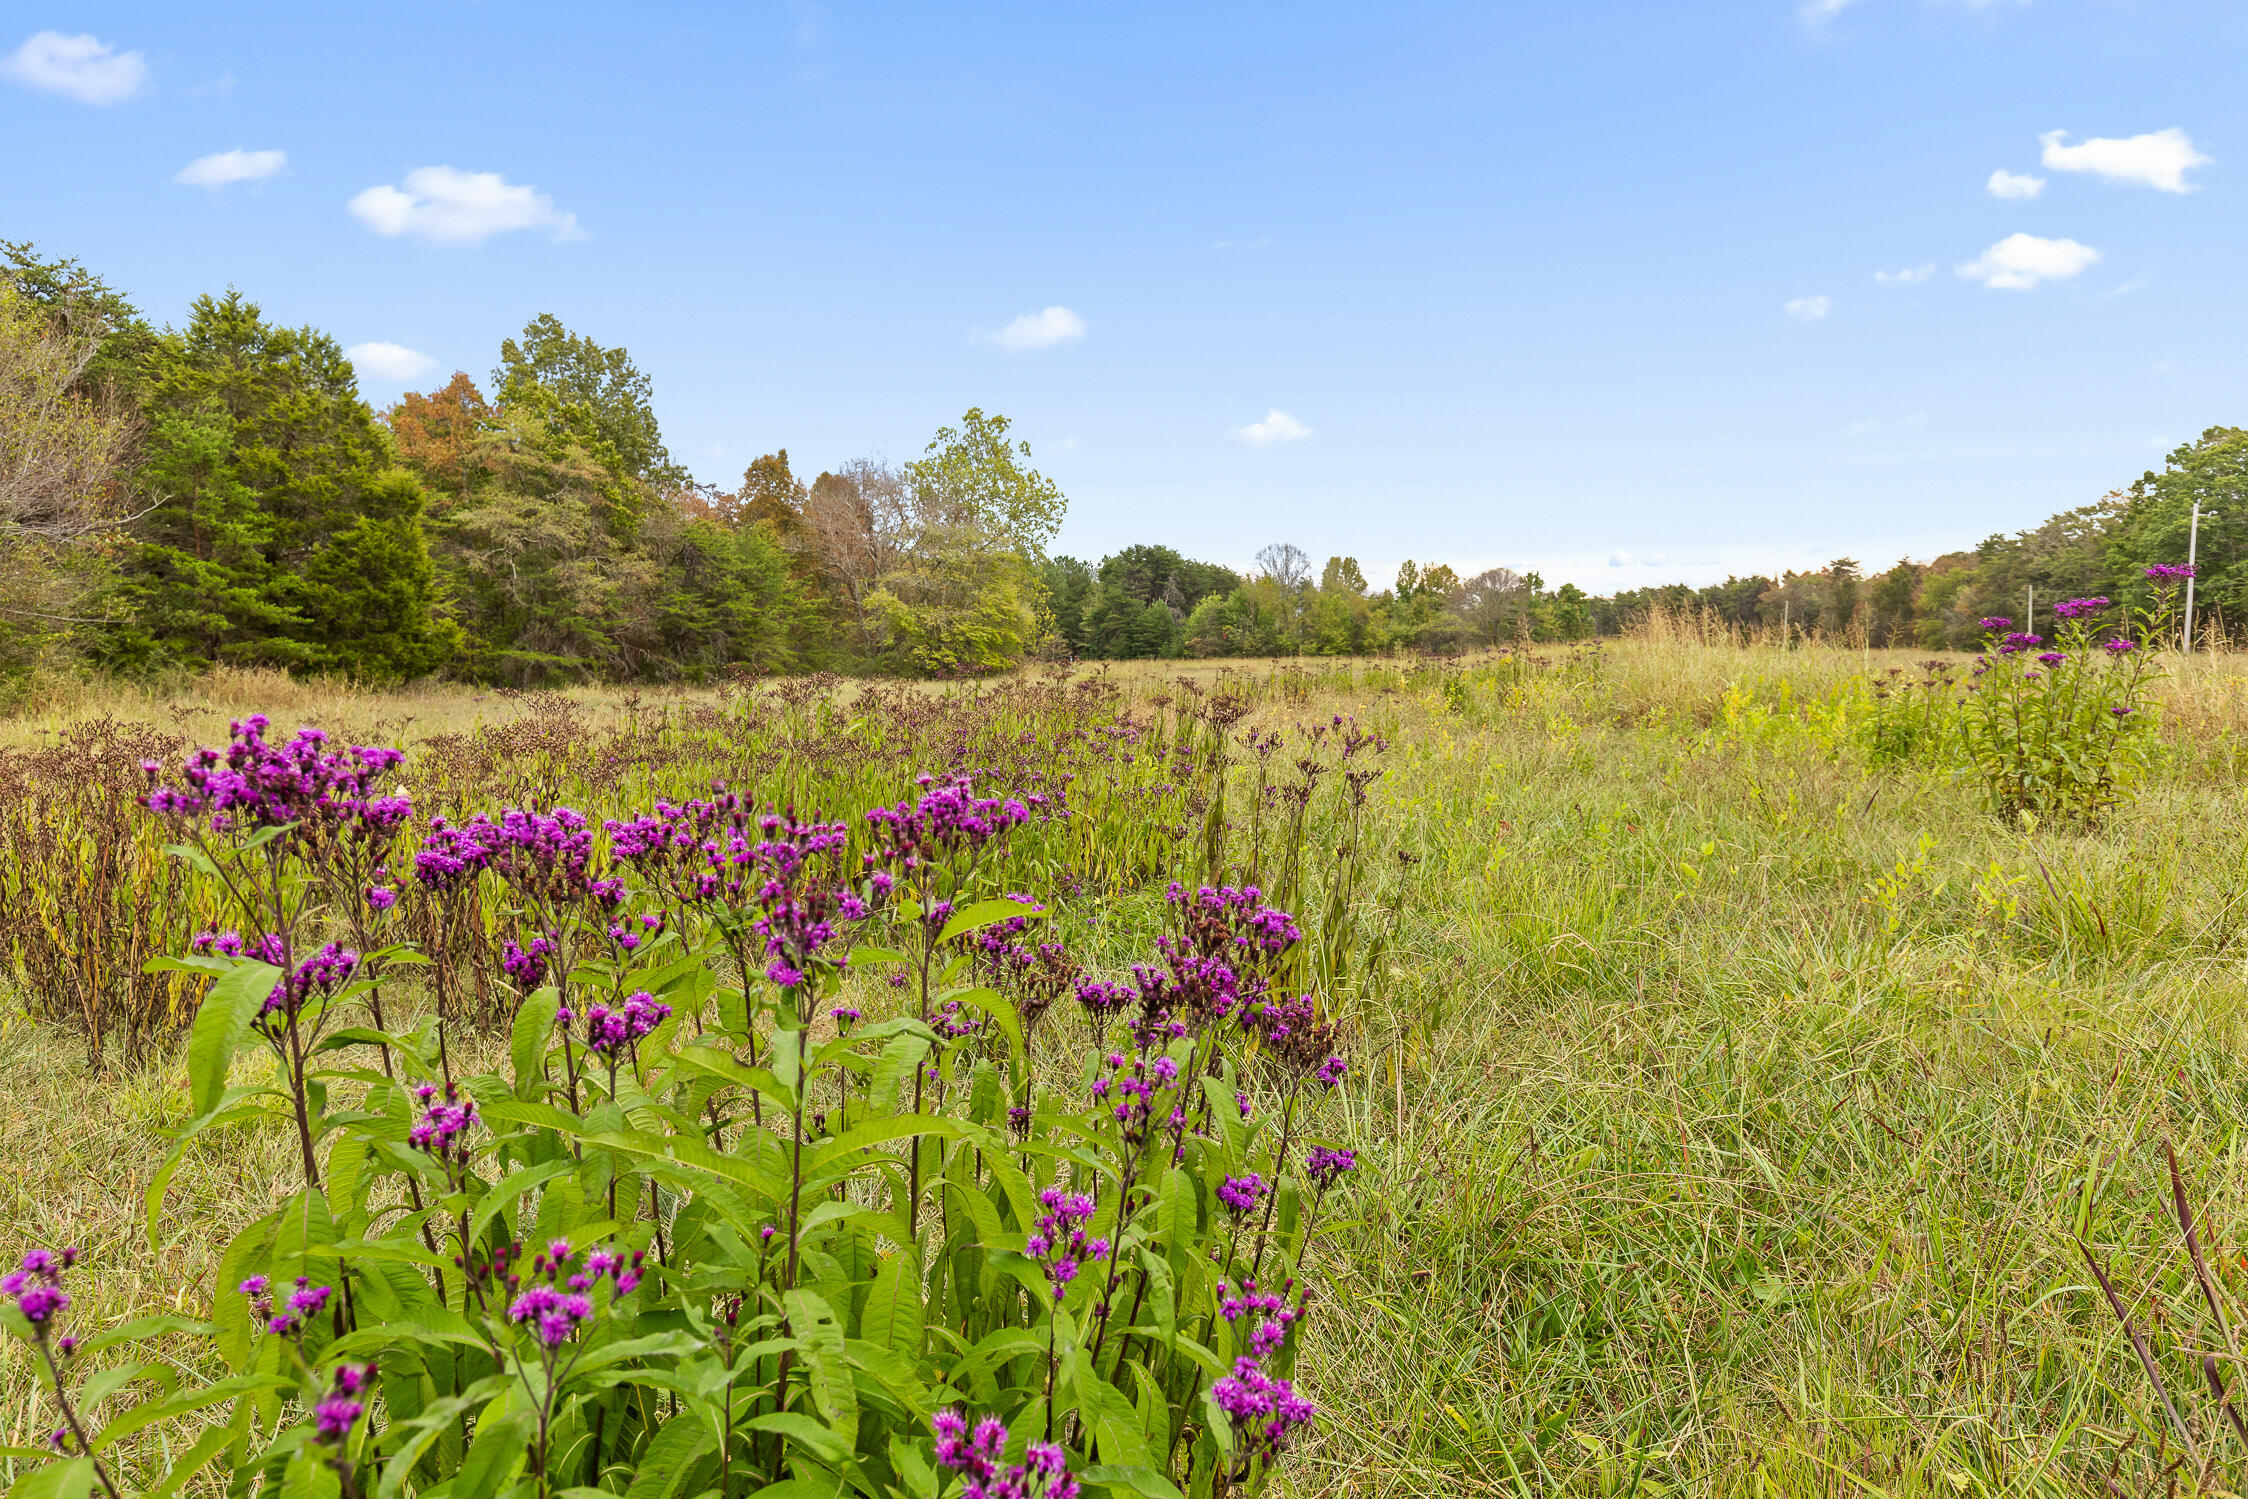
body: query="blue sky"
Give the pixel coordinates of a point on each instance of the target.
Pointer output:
(1623, 292)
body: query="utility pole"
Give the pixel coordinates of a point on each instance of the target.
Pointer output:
(2029, 625)
(2193, 552)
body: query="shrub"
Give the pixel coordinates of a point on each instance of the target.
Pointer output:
(2063, 727)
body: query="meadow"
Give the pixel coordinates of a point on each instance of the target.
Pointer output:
(1730, 1102)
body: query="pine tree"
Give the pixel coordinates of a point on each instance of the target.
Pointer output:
(281, 530)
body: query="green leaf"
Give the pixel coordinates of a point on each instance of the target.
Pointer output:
(892, 1318)
(665, 1461)
(221, 1022)
(493, 1457)
(526, 1044)
(982, 914)
(813, 1322)
(1131, 1476)
(821, 1442)
(71, 1478)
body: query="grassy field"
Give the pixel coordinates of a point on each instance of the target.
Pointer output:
(1732, 1108)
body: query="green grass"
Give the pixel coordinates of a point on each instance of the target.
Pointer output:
(1729, 1109)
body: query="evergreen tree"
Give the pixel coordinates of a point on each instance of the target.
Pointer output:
(281, 531)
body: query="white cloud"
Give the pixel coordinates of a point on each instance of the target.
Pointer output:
(1627, 559)
(1040, 330)
(2020, 261)
(1277, 426)
(2159, 159)
(1911, 275)
(389, 361)
(450, 207)
(1815, 13)
(1809, 309)
(82, 67)
(2013, 185)
(222, 167)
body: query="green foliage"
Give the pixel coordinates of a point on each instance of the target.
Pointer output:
(279, 529)
(957, 604)
(748, 1243)
(971, 478)
(597, 398)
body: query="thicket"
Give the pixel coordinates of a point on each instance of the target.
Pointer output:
(796, 1175)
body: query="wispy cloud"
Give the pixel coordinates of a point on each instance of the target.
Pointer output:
(83, 67)
(389, 361)
(1818, 13)
(221, 168)
(1809, 309)
(2159, 159)
(449, 207)
(2013, 186)
(1277, 426)
(1040, 330)
(1911, 275)
(2021, 261)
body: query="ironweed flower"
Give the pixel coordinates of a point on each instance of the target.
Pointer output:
(333, 1417)
(305, 1302)
(1264, 1409)
(2119, 645)
(451, 857)
(2163, 572)
(559, 1301)
(1241, 1194)
(1134, 1084)
(36, 1285)
(254, 784)
(1043, 1473)
(2051, 658)
(526, 966)
(946, 820)
(1058, 1240)
(1996, 622)
(443, 1129)
(609, 1032)
(2018, 641)
(2078, 608)
(1325, 1167)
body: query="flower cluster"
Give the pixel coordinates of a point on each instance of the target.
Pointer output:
(1043, 1473)
(1241, 1194)
(443, 1127)
(1264, 1408)
(526, 965)
(334, 1416)
(610, 1032)
(305, 1302)
(36, 1285)
(2081, 608)
(800, 897)
(2168, 573)
(559, 1299)
(947, 823)
(254, 784)
(1134, 1083)
(1326, 1166)
(324, 972)
(2018, 641)
(1058, 1240)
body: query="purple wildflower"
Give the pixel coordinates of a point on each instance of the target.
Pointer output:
(1043, 1473)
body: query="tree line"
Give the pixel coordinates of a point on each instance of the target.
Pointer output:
(220, 494)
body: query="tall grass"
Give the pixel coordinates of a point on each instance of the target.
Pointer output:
(1733, 1106)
